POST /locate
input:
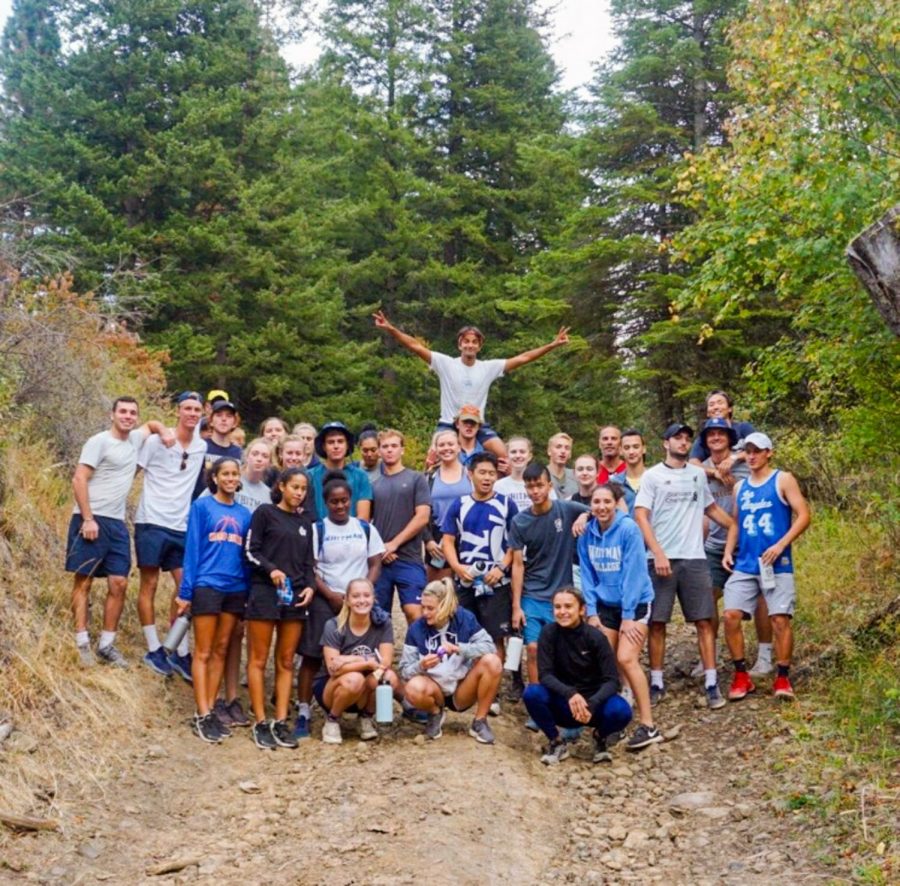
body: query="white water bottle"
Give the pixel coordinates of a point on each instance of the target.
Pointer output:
(514, 647)
(384, 703)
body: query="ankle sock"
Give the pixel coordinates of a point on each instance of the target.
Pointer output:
(82, 638)
(764, 652)
(656, 679)
(107, 638)
(303, 709)
(711, 678)
(151, 637)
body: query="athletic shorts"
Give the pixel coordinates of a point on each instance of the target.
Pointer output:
(485, 431)
(742, 592)
(717, 572)
(318, 689)
(611, 616)
(263, 605)
(690, 582)
(450, 704)
(537, 614)
(158, 547)
(311, 642)
(209, 601)
(408, 578)
(493, 611)
(108, 554)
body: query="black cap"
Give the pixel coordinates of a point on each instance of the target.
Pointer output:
(676, 428)
(219, 405)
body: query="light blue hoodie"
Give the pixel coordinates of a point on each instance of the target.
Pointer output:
(614, 566)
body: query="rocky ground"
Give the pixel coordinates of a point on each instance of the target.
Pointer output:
(700, 808)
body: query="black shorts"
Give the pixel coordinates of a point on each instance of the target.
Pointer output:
(611, 616)
(318, 689)
(311, 641)
(209, 601)
(493, 611)
(450, 703)
(263, 605)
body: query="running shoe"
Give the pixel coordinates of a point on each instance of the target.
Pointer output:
(481, 732)
(262, 736)
(283, 734)
(367, 729)
(301, 727)
(223, 715)
(331, 731)
(614, 738)
(741, 686)
(601, 753)
(714, 699)
(657, 694)
(158, 661)
(642, 737)
(236, 712)
(434, 724)
(782, 688)
(555, 753)
(531, 725)
(111, 656)
(206, 728)
(224, 728)
(414, 715)
(763, 666)
(181, 665)
(86, 656)
(697, 670)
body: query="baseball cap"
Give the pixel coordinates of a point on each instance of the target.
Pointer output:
(219, 405)
(330, 428)
(188, 395)
(759, 440)
(469, 413)
(718, 424)
(216, 394)
(676, 428)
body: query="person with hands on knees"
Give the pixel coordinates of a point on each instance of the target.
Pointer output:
(280, 550)
(579, 681)
(448, 661)
(358, 649)
(618, 594)
(214, 586)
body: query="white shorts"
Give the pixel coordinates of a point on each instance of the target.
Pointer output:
(742, 592)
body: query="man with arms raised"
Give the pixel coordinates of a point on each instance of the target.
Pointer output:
(98, 544)
(669, 510)
(466, 379)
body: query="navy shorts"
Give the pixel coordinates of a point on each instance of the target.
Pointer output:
(311, 642)
(209, 601)
(263, 605)
(493, 611)
(158, 547)
(485, 431)
(408, 578)
(108, 554)
(318, 688)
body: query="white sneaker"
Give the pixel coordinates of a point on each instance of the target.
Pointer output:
(698, 670)
(367, 729)
(86, 656)
(331, 732)
(494, 709)
(762, 667)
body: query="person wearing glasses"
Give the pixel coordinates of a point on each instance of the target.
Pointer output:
(160, 524)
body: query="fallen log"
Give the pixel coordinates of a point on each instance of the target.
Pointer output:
(27, 823)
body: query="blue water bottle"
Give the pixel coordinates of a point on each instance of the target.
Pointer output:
(286, 593)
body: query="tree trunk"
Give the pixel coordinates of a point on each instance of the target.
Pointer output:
(875, 258)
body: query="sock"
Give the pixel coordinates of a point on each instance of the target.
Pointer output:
(656, 679)
(740, 665)
(764, 652)
(151, 637)
(184, 647)
(783, 670)
(82, 638)
(712, 678)
(107, 638)
(303, 710)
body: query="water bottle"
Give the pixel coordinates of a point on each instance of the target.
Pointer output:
(179, 628)
(286, 593)
(441, 653)
(480, 568)
(514, 646)
(384, 703)
(766, 575)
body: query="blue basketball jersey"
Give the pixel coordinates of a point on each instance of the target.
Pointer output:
(763, 518)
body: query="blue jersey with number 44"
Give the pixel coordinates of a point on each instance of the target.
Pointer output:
(763, 518)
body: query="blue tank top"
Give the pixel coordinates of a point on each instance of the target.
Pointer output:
(763, 518)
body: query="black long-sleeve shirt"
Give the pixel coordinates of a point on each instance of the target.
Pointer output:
(279, 539)
(577, 660)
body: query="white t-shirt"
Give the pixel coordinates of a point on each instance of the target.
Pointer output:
(463, 385)
(343, 553)
(114, 462)
(515, 491)
(166, 498)
(676, 499)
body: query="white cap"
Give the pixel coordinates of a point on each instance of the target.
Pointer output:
(759, 440)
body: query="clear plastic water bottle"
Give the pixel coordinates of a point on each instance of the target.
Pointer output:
(286, 593)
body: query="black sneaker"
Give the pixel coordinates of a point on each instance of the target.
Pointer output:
(283, 734)
(222, 723)
(657, 694)
(206, 728)
(262, 736)
(601, 754)
(643, 736)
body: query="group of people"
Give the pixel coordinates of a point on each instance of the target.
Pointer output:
(288, 539)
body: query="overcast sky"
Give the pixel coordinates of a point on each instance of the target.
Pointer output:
(581, 37)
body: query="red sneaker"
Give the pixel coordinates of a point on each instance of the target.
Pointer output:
(782, 688)
(741, 686)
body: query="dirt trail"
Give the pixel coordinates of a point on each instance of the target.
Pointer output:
(401, 811)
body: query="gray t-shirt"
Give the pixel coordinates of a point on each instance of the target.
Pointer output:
(723, 497)
(565, 486)
(348, 643)
(549, 547)
(394, 502)
(114, 462)
(676, 499)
